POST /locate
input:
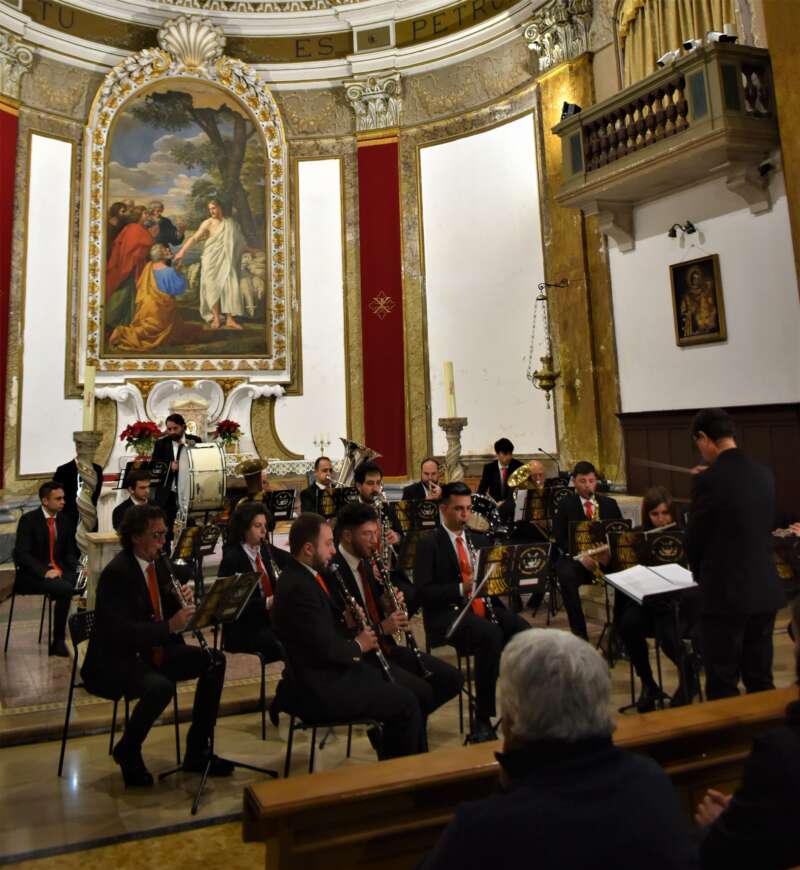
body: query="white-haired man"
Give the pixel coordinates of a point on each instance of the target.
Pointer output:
(567, 789)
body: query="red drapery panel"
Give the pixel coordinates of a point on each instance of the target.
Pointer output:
(382, 304)
(8, 163)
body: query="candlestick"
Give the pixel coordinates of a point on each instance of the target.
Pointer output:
(88, 398)
(450, 389)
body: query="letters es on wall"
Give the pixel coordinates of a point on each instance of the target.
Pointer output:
(697, 301)
(187, 212)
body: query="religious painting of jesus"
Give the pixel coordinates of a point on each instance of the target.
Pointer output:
(186, 271)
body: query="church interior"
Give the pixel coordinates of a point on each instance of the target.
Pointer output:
(356, 274)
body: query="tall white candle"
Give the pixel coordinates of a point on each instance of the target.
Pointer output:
(88, 399)
(450, 389)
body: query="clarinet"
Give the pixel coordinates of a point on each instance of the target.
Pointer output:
(487, 599)
(388, 553)
(360, 618)
(391, 591)
(176, 588)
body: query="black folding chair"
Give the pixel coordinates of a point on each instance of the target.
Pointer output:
(47, 602)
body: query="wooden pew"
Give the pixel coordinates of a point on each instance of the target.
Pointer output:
(389, 814)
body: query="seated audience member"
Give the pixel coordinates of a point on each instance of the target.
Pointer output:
(138, 486)
(755, 827)
(655, 618)
(46, 558)
(248, 550)
(562, 777)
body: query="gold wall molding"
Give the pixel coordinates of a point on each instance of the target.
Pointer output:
(265, 435)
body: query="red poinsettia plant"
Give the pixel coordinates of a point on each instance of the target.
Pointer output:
(141, 437)
(227, 431)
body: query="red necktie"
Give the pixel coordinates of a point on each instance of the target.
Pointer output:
(155, 600)
(51, 528)
(589, 508)
(478, 606)
(266, 584)
(369, 600)
(503, 476)
(322, 583)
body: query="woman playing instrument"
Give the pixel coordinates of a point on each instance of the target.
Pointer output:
(636, 622)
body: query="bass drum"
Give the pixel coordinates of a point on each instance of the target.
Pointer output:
(485, 517)
(201, 479)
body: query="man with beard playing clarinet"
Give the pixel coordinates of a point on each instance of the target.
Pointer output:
(433, 681)
(329, 676)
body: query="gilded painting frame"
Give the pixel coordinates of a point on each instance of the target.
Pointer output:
(699, 314)
(136, 76)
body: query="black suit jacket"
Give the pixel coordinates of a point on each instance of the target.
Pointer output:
(118, 514)
(311, 500)
(310, 625)
(728, 537)
(162, 452)
(67, 476)
(570, 510)
(490, 480)
(32, 547)
(126, 629)
(235, 561)
(415, 492)
(437, 578)
(758, 828)
(352, 586)
(559, 792)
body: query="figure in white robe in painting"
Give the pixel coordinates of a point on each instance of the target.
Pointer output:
(220, 291)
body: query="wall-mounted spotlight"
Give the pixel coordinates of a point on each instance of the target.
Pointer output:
(569, 109)
(717, 36)
(688, 228)
(669, 57)
(692, 44)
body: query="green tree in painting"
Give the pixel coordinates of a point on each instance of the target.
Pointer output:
(231, 155)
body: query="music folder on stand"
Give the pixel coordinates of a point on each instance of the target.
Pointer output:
(222, 604)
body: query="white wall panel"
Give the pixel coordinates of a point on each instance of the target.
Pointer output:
(483, 259)
(322, 409)
(47, 418)
(760, 361)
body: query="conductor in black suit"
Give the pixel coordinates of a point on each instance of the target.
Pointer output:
(730, 550)
(138, 485)
(494, 479)
(327, 676)
(136, 648)
(583, 504)
(357, 530)
(248, 550)
(67, 476)
(46, 558)
(444, 573)
(168, 449)
(427, 487)
(318, 498)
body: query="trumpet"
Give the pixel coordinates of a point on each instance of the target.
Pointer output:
(176, 588)
(391, 590)
(360, 618)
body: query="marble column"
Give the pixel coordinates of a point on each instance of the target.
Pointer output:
(452, 429)
(86, 444)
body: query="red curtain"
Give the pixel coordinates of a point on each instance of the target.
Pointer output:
(382, 304)
(8, 162)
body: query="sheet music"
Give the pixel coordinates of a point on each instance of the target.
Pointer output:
(641, 581)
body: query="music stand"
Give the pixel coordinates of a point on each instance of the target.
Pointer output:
(518, 566)
(280, 503)
(417, 514)
(158, 472)
(223, 604)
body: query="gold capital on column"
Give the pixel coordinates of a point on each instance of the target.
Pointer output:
(16, 58)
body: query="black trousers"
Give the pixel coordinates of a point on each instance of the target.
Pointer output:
(155, 686)
(735, 646)
(485, 640)
(571, 576)
(635, 623)
(444, 682)
(244, 638)
(61, 589)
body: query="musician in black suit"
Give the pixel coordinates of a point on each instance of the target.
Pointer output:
(494, 479)
(67, 476)
(318, 498)
(327, 676)
(138, 485)
(46, 558)
(168, 449)
(730, 549)
(427, 487)
(444, 573)
(136, 648)
(583, 504)
(433, 681)
(248, 550)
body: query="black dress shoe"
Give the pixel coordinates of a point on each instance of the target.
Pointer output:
(59, 648)
(375, 737)
(481, 733)
(686, 691)
(646, 702)
(274, 712)
(134, 772)
(197, 764)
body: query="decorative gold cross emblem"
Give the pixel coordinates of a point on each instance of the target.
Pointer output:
(382, 305)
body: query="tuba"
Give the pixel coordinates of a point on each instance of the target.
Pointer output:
(354, 454)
